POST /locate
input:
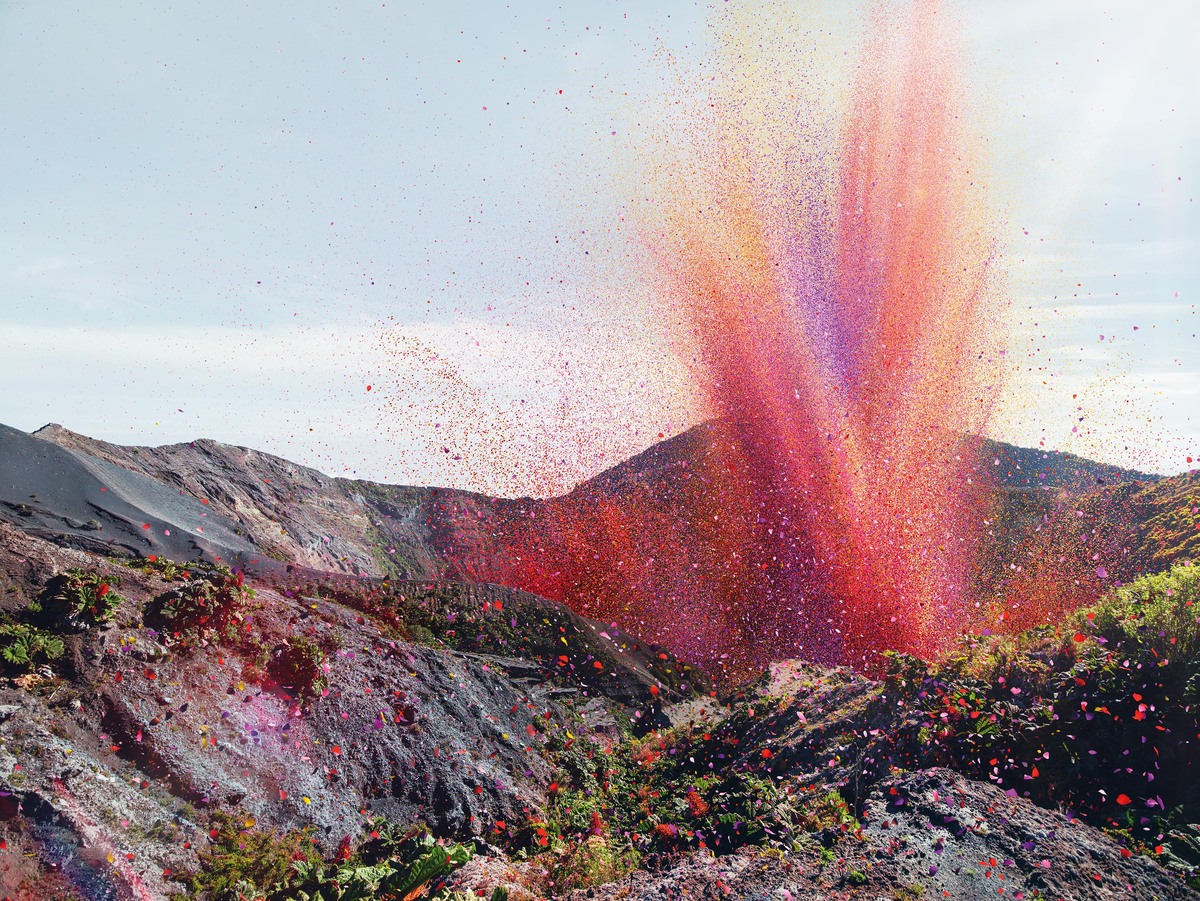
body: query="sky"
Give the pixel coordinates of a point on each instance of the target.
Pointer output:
(380, 239)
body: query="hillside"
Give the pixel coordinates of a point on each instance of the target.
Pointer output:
(395, 740)
(626, 546)
(224, 676)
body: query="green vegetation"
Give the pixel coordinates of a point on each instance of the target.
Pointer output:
(1098, 715)
(595, 860)
(827, 812)
(83, 599)
(391, 864)
(241, 855)
(23, 646)
(462, 617)
(209, 605)
(300, 665)
(169, 570)
(647, 799)
(77, 600)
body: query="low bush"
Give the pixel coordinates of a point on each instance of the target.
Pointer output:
(392, 864)
(168, 570)
(241, 857)
(82, 599)
(300, 665)
(1097, 715)
(596, 860)
(209, 606)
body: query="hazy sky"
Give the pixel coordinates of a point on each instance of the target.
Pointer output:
(228, 219)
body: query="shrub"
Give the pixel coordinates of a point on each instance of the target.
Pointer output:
(208, 606)
(169, 570)
(85, 599)
(1156, 615)
(660, 799)
(392, 864)
(593, 861)
(300, 665)
(242, 856)
(1075, 716)
(828, 811)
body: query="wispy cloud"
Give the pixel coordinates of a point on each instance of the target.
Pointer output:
(39, 269)
(43, 267)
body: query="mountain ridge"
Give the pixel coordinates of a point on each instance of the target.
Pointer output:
(265, 513)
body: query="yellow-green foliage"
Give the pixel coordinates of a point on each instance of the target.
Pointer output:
(827, 811)
(1158, 613)
(1077, 712)
(593, 861)
(987, 657)
(1155, 616)
(499, 893)
(169, 570)
(241, 853)
(1170, 530)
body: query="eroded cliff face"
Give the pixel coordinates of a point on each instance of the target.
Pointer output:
(284, 512)
(137, 732)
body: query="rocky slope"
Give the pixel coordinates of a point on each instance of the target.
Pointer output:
(574, 758)
(136, 735)
(170, 725)
(950, 837)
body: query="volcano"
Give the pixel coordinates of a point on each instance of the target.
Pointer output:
(645, 544)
